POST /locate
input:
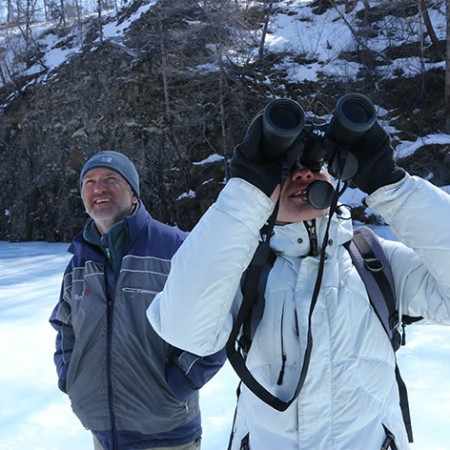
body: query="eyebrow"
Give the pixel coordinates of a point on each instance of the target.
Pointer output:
(110, 173)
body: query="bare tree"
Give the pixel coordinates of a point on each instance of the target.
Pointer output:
(447, 71)
(360, 38)
(421, 5)
(268, 8)
(218, 13)
(9, 11)
(63, 12)
(26, 10)
(428, 25)
(100, 21)
(10, 72)
(79, 18)
(164, 68)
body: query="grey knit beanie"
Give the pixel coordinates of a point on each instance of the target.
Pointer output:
(115, 161)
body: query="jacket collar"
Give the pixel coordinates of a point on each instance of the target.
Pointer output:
(133, 224)
(293, 239)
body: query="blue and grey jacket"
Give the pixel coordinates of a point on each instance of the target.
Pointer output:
(126, 384)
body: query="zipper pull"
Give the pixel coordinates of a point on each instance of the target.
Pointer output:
(313, 240)
(403, 333)
(105, 243)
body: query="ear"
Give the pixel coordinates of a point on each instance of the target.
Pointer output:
(134, 200)
(82, 199)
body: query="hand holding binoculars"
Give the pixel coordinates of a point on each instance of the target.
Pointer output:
(285, 125)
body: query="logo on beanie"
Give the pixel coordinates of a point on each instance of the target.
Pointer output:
(106, 159)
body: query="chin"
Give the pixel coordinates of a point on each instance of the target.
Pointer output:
(306, 213)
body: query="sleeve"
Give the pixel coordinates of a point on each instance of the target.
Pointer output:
(188, 372)
(193, 312)
(65, 339)
(418, 214)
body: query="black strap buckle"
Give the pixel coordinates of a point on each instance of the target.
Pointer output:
(374, 264)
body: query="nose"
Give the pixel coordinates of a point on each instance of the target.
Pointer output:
(300, 172)
(95, 186)
(100, 185)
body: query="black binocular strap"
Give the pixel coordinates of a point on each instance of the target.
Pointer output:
(250, 294)
(237, 360)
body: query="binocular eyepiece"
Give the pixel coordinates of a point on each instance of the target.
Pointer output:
(284, 122)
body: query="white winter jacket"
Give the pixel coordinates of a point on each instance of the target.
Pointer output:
(350, 393)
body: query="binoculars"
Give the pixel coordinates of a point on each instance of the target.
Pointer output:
(284, 123)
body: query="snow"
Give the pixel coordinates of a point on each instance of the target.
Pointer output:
(318, 39)
(36, 415)
(115, 30)
(407, 148)
(210, 159)
(190, 194)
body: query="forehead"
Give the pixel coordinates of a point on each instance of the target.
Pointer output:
(102, 172)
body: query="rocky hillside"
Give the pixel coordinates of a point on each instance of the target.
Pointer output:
(150, 92)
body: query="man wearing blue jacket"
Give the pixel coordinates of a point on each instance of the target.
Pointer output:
(126, 384)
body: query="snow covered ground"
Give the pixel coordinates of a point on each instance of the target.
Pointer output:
(34, 414)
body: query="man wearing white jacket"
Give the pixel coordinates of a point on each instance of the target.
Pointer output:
(349, 399)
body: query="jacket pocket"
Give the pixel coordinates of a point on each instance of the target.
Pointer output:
(131, 290)
(179, 382)
(140, 295)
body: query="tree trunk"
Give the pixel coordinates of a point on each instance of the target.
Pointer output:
(428, 25)
(447, 71)
(99, 15)
(162, 43)
(422, 47)
(9, 11)
(63, 13)
(268, 6)
(79, 13)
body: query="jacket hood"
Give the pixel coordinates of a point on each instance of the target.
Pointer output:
(293, 239)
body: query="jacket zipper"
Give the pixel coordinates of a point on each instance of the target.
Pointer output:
(109, 306)
(283, 354)
(313, 240)
(297, 328)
